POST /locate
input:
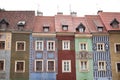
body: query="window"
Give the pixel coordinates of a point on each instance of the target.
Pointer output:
(20, 66)
(50, 45)
(66, 44)
(2, 44)
(39, 45)
(118, 67)
(115, 23)
(81, 29)
(46, 29)
(2, 65)
(100, 46)
(50, 65)
(84, 65)
(83, 46)
(66, 66)
(65, 27)
(100, 29)
(20, 46)
(101, 66)
(38, 65)
(117, 47)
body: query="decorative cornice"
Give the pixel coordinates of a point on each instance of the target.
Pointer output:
(65, 33)
(44, 34)
(83, 35)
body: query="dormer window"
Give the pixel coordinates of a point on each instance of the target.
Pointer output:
(21, 25)
(99, 25)
(65, 27)
(80, 28)
(3, 24)
(115, 23)
(45, 28)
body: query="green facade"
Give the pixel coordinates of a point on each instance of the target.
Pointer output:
(84, 75)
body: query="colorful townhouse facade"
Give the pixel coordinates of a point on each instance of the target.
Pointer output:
(100, 45)
(111, 21)
(66, 47)
(43, 49)
(83, 50)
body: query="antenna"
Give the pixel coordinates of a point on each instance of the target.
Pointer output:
(70, 8)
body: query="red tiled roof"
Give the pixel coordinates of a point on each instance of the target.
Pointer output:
(93, 21)
(40, 21)
(107, 17)
(13, 17)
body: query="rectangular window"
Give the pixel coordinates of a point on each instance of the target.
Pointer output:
(50, 65)
(100, 29)
(118, 67)
(38, 65)
(66, 44)
(84, 65)
(66, 66)
(2, 65)
(83, 46)
(81, 29)
(20, 66)
(20, 46)
(51, 45)
(100, 46)
(117, 47)
(2, 44)
(46, 28)
(65, 27)
(101, 65)
(39, 45)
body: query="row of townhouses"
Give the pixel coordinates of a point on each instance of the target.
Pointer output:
(60, 47)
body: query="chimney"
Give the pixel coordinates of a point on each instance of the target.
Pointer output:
(59, 13)
(73, 13)
(99, 11)
(39, 13)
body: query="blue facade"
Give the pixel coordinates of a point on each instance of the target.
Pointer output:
(44, 56)
(101, 56)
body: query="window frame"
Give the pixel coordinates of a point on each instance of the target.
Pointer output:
(117, 67)
(81, 47)
(100, 29)
(3, 65)
(54, 65)
(115, 47)
(63, 44)
(104, 66)
(53, 46)
(23, 66)
(21, 42)
(39, 46)
(45, 28)
(4, 44)
(103, 45)
(68, 71)
(65, 27)
(83, 70)
(35, 65)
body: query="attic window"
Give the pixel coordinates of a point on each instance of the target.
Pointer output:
(114, 23)
(45, 28)
(80, 28)
(3, 24)
(99, 25)
(21, 25)
(100, 29)
(65, 27)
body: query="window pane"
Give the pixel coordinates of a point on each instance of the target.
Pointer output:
(38, 65)
(1, 65)
(50, 65)
(117, 47)
(2, 44)
(20, 66)
(20, 46)
(118, 67)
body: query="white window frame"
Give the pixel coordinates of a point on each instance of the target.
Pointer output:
(100, 29)
(5, 45)
(102, 47)
(116, 66)
(37, 48)
(21, 42)
(23, 66)
(35, 65)
(65, 61)
(65, 47)
(53, 46)
(115, 47)
(104, 67)
(47, 65)
(81, 29)
(3, 65)
(87, 67)
(80, 47)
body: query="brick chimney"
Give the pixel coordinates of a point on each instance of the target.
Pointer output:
(99, 11)
(73, 13)
(39, 13)
(59, 13)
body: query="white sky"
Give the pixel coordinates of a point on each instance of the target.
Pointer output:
(51, 7)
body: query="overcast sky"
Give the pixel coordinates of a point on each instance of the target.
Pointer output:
(51, 7)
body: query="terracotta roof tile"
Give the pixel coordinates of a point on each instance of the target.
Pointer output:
(107, 17)
(13, 17)
(41, 21)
